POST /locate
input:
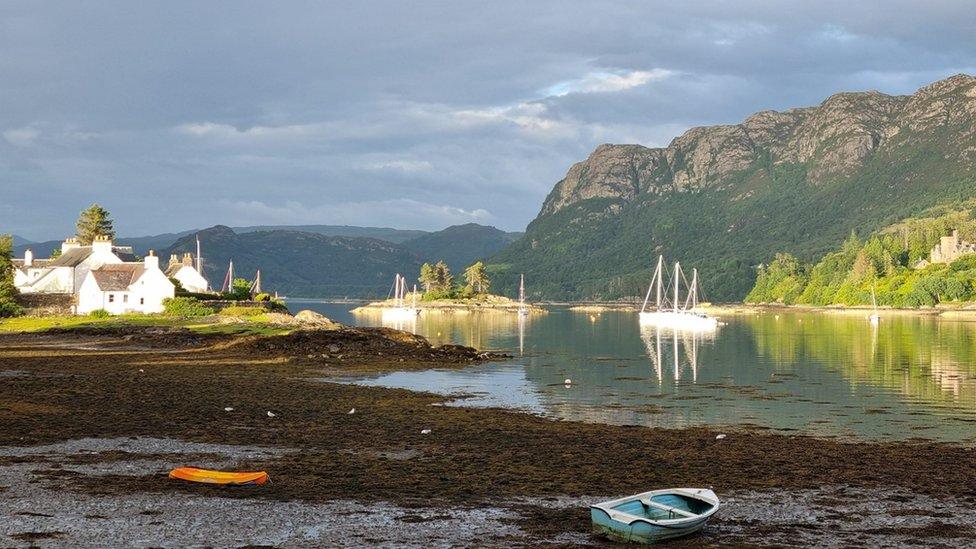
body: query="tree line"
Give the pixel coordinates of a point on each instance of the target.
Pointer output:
(438, 282)
(884, 263)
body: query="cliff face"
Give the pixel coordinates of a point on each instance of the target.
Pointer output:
(727, 197)
(835, 138)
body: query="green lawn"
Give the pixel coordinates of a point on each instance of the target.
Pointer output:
(256, 325)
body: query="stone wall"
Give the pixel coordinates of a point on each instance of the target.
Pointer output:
(47, 304)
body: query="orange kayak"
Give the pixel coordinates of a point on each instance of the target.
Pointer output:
(207, 476)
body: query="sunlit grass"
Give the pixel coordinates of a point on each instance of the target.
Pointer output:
(254, 325)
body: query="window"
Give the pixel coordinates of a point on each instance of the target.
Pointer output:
(125, 298)
(111, 298)
(142, 301)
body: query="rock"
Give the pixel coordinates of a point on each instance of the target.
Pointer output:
(311, 318)
(425, 431)
(271, 414)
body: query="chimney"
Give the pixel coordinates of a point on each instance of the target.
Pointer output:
(102, 245)
(69, 243)
(28, 258)
(188, 260)
(152, 262)
(173, 260)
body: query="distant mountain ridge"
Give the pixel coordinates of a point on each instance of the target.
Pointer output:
(726, 198)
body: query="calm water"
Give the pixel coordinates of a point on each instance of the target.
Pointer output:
(822, 374)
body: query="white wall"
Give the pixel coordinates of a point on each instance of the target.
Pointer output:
(152, 288)
(191, 280)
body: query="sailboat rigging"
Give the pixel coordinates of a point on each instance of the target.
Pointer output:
(676, 315)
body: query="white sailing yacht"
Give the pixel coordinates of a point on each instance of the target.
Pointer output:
(522, 310)
(875, 317)
(400, 311)
(676, 315)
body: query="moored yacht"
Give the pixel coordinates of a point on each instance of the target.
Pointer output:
(676, 315)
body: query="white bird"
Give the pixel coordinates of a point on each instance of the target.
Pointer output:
(719, 437)
(141, 370)
(425, 432)
(271, 414)
(228, 409)
(568, 381)
(351, 412)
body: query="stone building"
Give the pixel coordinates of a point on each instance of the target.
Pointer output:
(949, 249)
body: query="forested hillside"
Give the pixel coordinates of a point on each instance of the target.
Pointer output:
(885, 262)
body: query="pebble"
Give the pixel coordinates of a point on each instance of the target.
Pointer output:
(720, 437)
(228, 409)
(351, 412)
(425, 432)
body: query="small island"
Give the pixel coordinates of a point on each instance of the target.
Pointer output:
(439, 293)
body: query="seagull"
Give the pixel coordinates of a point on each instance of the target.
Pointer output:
(271, 414)
(720, 437)
(568, 381)
(425, 432)
(351, 412)
(141, 370)
(228, 409)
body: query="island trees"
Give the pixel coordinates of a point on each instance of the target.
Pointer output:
(94, 221)
(477, 278)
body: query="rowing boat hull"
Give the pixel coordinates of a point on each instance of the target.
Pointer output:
(621, 519)
(207, 476)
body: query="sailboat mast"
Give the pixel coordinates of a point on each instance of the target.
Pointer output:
(414, 298)
(694, 289)
(660, 279)
(677, 280)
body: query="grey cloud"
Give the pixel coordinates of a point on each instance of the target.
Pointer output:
(184, 114)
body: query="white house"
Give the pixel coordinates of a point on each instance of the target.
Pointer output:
(65, 274)
(187, 275)
(125, 288)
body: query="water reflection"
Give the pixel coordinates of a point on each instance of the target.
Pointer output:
(823, 374)
(683, 343)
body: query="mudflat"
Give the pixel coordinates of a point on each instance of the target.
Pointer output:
(90, 422)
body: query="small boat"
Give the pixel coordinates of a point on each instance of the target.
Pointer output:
(400, 311)
(875, 317)
(207, 476)
(654, 516)
(522, 310)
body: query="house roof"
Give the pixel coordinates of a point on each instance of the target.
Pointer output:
(118, 277)
(38, 263)
(72, 257)
(173, 269)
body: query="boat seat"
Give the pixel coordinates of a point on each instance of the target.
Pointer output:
(646, 502)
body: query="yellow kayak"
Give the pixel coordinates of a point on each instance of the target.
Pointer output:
(207, 476)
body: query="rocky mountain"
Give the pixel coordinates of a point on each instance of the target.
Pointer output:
(461, 245)
(725, 198)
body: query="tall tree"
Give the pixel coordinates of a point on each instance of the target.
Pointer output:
(443, 277)
(477, 278)
(428, 278)
(8, 292)
(93, 222)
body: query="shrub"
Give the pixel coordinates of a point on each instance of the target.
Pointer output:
(262, 297)
(185, 307)
(243, 311)
(99, 313)
(10, 309)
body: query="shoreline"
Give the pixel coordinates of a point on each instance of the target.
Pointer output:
(451, 306)
(62, 387)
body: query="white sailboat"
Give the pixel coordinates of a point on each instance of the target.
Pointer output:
(400, 311)
(522, 310)
(676, 315)
(875, 317)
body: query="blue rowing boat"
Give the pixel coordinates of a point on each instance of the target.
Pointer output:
(654, 516)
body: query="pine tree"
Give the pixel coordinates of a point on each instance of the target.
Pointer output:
(443, 277)
(94, 222)
(428, 277)
(477, 278)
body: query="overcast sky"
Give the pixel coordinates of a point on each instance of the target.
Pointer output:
(176, 115)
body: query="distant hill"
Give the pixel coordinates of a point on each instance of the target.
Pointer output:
(302, 264)
(18, 241)
(461, 245)
(396, 236)
(726, 198)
